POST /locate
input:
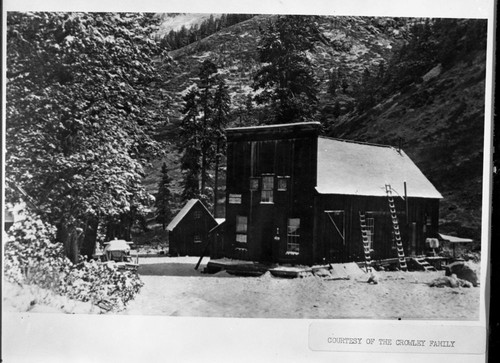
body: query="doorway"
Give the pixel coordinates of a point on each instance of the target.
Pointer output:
(335, 236)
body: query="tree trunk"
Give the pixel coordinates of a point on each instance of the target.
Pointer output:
(89, 239)
(203, 171)
(125, 225)
(68, 235)
(111, 231)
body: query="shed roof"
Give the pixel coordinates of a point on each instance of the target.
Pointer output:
(273, 132)
(454, 239)
(353, 168)
(117, 245)
(182, 213)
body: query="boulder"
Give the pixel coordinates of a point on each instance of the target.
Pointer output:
(373, 279)
(445, 281)
(322, 272)
(449, 281)
(462, 271)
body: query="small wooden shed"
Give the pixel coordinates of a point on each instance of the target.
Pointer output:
(189, 230)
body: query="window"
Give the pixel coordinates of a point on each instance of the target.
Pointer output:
(254, 184)
(292, 236)
(267, 189)
(197, 238)
(282, 183)
(370, 231)
(197, 214)
(241, 229)
(428, 223)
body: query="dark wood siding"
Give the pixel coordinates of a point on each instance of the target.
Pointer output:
(182, 238)
(414, 228)
(293, 158)
(291, 153)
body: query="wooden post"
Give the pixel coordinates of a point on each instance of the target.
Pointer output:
(406, 205)
(203, 253)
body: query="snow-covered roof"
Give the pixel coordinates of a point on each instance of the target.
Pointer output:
(454, 239)
(117, 245)
(273, 127)
(182, 213)
(353, 168)
(220, 220)
(15, 213)
(9, 217)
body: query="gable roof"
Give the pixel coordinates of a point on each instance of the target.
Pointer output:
(273, 132)
(353, 168)
(182, 213)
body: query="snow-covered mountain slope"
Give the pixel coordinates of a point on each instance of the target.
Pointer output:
(176, 21)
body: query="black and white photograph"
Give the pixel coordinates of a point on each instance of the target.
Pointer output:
(224, 167)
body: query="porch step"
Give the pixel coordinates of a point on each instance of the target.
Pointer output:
(419, 263)
(236, 267)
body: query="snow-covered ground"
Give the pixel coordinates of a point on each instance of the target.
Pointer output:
(173, 287)
(32, 299)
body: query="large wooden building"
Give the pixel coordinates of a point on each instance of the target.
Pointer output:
(294, 197)
(188, 232)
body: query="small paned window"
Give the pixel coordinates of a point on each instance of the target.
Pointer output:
(197, 238)
(292, 236)
(282, 183)
(197, 214)
(254, 184)
(267, 189)
(428, 223)
(241, 229)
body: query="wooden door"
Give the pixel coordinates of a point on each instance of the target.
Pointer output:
(335, 235)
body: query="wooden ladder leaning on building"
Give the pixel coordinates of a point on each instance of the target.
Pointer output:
(366, 242)
(395, 226)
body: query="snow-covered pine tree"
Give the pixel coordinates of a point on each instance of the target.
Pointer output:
(286, 79)
(163, 198)
(80, 115)
(206, 112)
(190, 135)
(222, 103)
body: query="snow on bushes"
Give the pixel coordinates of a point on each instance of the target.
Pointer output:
(31, 257)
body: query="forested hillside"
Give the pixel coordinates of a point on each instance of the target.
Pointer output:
(346, 47)
(383, 80)
(432, 100)
(115, 120)
(115, 107)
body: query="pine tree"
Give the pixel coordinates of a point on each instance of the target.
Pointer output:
(333, 82)
(79, 116)
(163, 198)
(342, 78)
(286, 78)
(221, 106)
(190, 133)
(206, 84)
(206, 113)
(336, 109)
